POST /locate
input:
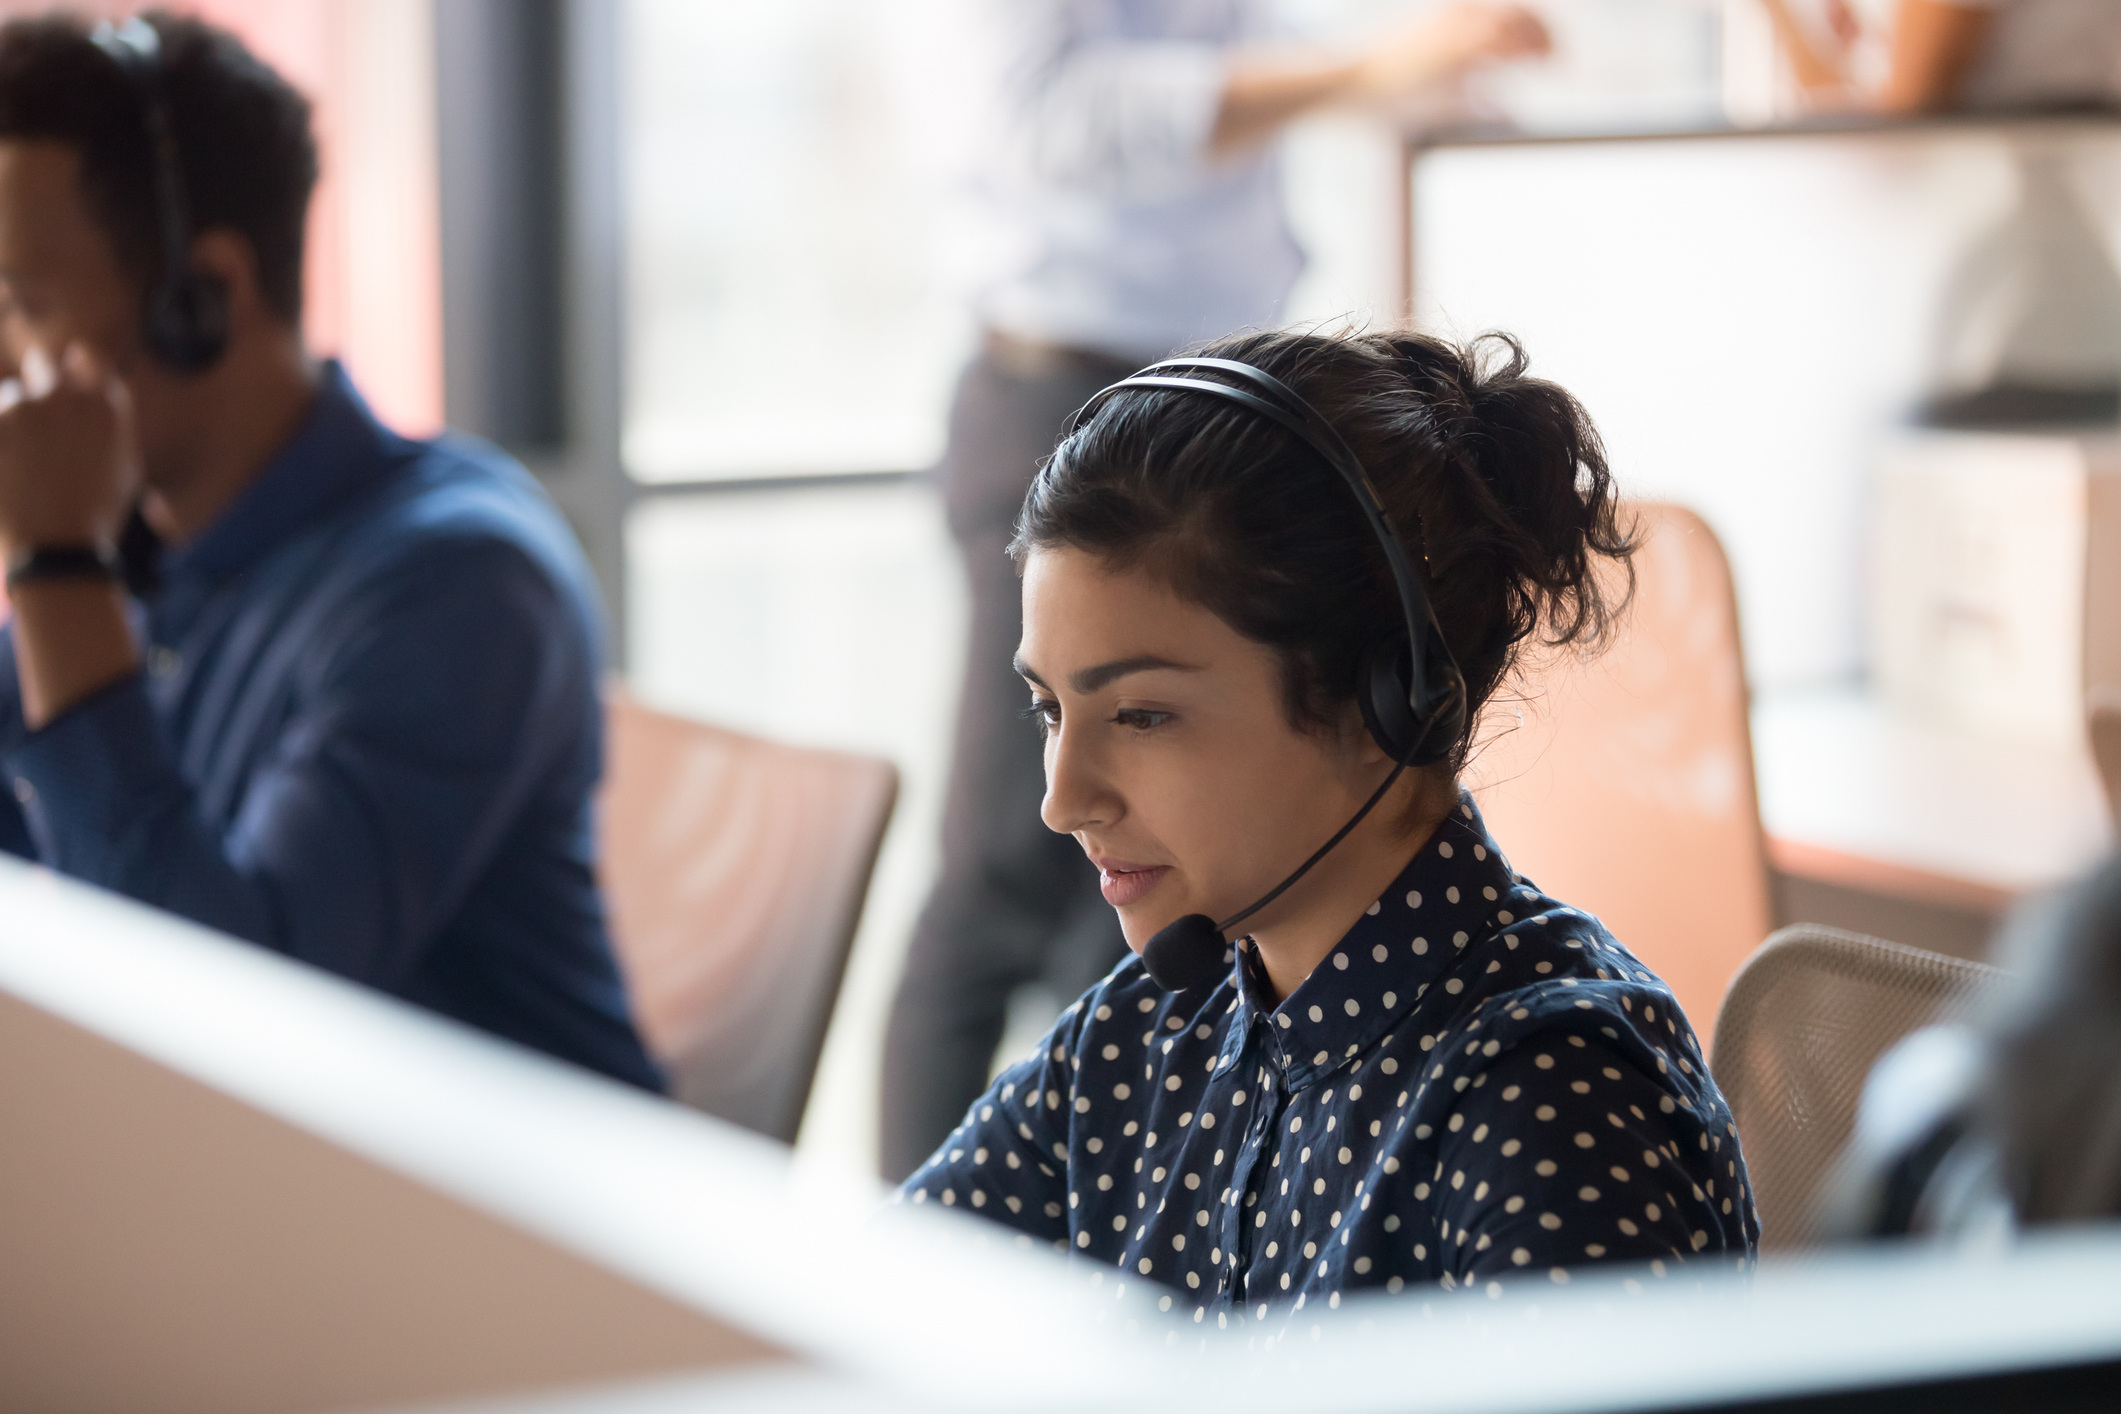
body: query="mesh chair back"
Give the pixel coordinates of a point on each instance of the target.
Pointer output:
(735, 870)
(1807, 1016)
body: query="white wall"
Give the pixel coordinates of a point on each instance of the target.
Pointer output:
(1745, 318)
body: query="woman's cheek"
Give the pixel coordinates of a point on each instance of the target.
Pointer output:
(1203, 827)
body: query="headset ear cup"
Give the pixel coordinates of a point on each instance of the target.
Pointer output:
(187, 322)
(1387, 699)
(1447, 723)
(1386, 695)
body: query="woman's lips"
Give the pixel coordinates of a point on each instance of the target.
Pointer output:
(1124, 884)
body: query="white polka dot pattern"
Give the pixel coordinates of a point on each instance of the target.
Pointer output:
(1506, 1105)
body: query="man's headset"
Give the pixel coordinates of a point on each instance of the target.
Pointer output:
(1411, 692)
(184, 321)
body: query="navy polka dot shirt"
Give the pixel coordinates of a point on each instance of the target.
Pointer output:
(1477, 1083)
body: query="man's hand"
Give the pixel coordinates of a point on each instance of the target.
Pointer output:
(68, 476)
(68, 471)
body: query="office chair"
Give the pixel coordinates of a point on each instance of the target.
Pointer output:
(1807, 1016)
(2103, 726)
(735, 870)
(1623, 783)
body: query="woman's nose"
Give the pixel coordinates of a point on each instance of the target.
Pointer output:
(1078, 797)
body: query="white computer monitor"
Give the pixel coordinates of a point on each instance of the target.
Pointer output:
(231, 1182)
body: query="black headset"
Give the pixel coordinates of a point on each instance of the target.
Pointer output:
(184, 321)
(1412, 695)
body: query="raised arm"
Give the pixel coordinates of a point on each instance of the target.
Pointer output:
(1099, 110)
(1934, 44)
(68, 475)
(1266, 89)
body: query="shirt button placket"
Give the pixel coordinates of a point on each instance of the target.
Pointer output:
(1230, 1274)
(1267, 1103)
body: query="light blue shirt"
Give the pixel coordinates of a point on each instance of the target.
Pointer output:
(1098, 220)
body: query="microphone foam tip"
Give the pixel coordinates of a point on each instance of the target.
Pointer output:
(1187, 953)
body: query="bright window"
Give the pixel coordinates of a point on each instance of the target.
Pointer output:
(784, 314)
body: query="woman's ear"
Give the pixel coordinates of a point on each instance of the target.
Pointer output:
(1355, 739)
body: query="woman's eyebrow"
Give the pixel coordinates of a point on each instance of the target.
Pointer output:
(1088, 680)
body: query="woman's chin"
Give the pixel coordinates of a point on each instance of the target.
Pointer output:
(1139, 925)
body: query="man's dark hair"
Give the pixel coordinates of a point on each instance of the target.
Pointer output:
(245, 153)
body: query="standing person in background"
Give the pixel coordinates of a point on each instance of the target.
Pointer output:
(1129, 182)
(1982, 55)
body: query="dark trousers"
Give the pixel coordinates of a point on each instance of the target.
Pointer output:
(1016, 902)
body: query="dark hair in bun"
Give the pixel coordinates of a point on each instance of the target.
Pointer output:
(1498, 476)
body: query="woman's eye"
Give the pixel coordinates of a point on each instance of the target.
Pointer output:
(1043, 710)
(1141, 719)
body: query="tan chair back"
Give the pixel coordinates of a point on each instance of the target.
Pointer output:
(2103, 726)
(735, 870)
(1807, 1017)
(1623, 784)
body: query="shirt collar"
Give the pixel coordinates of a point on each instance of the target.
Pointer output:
(338, 450)
(1453, 893)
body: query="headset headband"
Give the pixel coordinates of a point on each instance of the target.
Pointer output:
(184, 320)
(1288, 410)
(136, 49)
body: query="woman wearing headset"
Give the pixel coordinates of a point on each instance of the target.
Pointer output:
(1412, 1068)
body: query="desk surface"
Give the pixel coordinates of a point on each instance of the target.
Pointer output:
(1825, 125)
(1854, 794)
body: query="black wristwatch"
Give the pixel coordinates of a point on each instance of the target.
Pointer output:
(37, 562)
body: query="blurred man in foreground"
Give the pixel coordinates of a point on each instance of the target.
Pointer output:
(272, 667)
(2010, 1117)
(1129, 201)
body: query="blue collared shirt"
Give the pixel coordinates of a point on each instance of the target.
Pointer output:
(1478, 1083)
(367, 735)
